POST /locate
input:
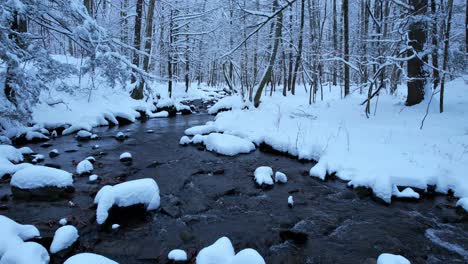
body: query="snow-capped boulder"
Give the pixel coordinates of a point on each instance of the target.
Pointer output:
(290, 201)
(64, 237)
(280, 177)
(184, 141)
(263, 175)
(42, 182)
(63, 221)
(93, 178)
(142, 191)
(26, 253)
(89, 258)
(115, 226)
(37, 158)
(11, 153)
(407, 193)
(126, 157)
(85, 166)
(228, 145)
(8, 168)
(386, 258)
(54, 153)
(91, 159)
(462, 204)
(13, 234)
(83, 135)
(207, 128)
(227, 103)
(120, 136)
(161, 114)
(177, 255)
(222, 252)
(166, 105)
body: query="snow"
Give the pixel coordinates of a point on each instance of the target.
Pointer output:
(227, 103)
(185, 140)
(63, 221)
(378, 152)
(54, 152)
(83, 134)
(290, 201)
(13, 234)
(26, 150)
(125, 156)
(64, 237)
(160, 114)
(463, 203)
(222, 252)
(85, 166)
(11, 153)
(386, 258)
(281, 177)
(227, 144)
(26, 253)
(115, 226)
(38, 158)
(93, 177)
(406, 193)
(177, 255)
(142, 191)
(40, 176)
(263, 175)
(201, 130)
(88, 258)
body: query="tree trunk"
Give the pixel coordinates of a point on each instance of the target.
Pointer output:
(335, 41)
(137, 92)
(346, 46)
(417, 36)
(435, 46)
(299, 51)
(89, 7)
(267, 76)
(446, 52)
(169, 56)
(137, 38)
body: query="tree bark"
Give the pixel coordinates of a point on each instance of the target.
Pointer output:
(137, 38)
(299, 49)
(417, 38)
(435, 46)
(335, 41)
(267, 76)
(446, 53)
(346, 47)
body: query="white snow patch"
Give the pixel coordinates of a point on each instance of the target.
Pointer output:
(40, 176)
(26, 253)
(281, 177)
(177, 255)
(263, 175)
(222, 252)
(290, 201)
(463, 203)
(85, 166)
(13, 234)
(115, 226)
(228, 145)
(89, 258)
(63, 221)
(209, 127)
(406, 193)
(83, 134)
(160, 114)
(386, 258)
(64, 237)
(185, 140)
(227, 103)
(142, 191)
(92, 178)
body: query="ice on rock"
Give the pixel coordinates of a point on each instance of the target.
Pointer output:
(290, 201)
(85, 166)
(126, 156)
(94, 136)
(89, 258)
(263, 175)
(64, 237)
(142, 191)
(463, 203)
(281, 177)
(41, 176)
(185, 140)
(386, 258)
(13, 234)
(26, 253)
(63, 221)
(177, 255)
(228, 145)
(222, 252)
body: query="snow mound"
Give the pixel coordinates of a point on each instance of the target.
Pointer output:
(11, 153)
(222, 252)
(26, 253)
(40, 176)
(290, 201)
(177, 255)
(263, 175)
(209, 127)
(64, 237)
(386, 258)
(406, 193)
(63, 221)
(83, 134)
(185, 140)
(6, 167)
(88, 258)
(13, 234)
(125, 156)
(115, 226)
(92, 178)
(227, 144)
(160, 114)
(227, 103)
(463, 203)
(85, 166)
(142, 191)
(281, 177)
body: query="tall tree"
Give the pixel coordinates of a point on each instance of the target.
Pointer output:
(137, 37)
(346, 46)
(335, 41)
(415, 66)
(299, 49)
(446, 52)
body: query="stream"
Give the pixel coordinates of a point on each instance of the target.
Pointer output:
(205, 196)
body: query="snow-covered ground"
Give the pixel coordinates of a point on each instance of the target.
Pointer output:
(387, 149)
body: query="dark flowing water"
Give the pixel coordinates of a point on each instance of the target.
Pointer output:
(205, 196)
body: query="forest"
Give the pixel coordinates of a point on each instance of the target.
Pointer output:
(154, 131)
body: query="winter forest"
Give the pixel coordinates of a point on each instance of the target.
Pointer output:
(233, 131)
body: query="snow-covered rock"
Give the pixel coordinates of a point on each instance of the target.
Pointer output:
(83, 135)
(120, 136)
(386, 258)
(463, 203)
(54, 153)
(26, 150)
(142, 191)
(26, 253)
(11, 153)
(85, 166)
(7, 167)
(63, 221)
(13, 234)
(91, 159)
(92, 178)
(126, 156)
(263, 175)
(115, 226)
(209, 127)
(228, 145)
(407, 193)
(37, 158)
(198, 139)
(89, 258)
(160, 114)
(227, 103)
(290, 201)
(64, 237)
(41, 176)
(222, 252)
(185, 140)
(177, 255)
(280, 177)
